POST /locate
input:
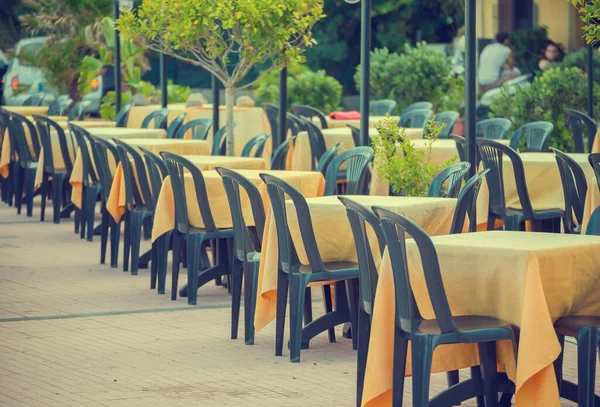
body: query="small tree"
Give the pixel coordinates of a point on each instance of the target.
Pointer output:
(589, 11)
(226, 37)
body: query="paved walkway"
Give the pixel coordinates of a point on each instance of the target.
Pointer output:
(75, 333)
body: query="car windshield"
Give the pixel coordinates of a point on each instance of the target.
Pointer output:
(30, 49)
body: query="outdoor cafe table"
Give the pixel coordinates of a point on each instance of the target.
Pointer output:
(27, 110)
(527, 279)
(301, 152)
(198, 147)
(343, 123)
(311, 184)
(334, 237)
(250, 121)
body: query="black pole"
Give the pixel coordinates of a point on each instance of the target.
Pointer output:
(590, 69)
(215, 91)
(117, 60)
(365, 63)
(281, 132)
(471, 83)
(163, 80)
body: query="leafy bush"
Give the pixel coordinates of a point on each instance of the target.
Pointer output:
(579, 59)
(305, 87)
(528, 47)
(398, 162)
(418, 74)
(545, 99)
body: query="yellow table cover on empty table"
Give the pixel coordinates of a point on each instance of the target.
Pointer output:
(309, 183)
(334, 237)
(527, 279)
(182, 147)
(301, 152)
(592, 201)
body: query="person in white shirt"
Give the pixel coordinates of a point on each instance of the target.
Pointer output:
(496, 64)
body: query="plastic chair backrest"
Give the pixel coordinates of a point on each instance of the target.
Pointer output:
(84, 142)
(77, 112)
(102, 149)
(272, 112)
(157, 171)
(259, 142)
(142, 195)
(577, 120)
(536, 134)
(177, 165)
(449, 120)
(159, 117)
(593, 227)
(453, 175)
(327, 157)
(359, 216)
(466, 204)
(175, 125)
(278, 189)
(54, 108)
(416, 106)
(34, 100)
(64, 106)
(309, 113)
(460, 146)
(395, 227)
(198, 127)
(45, 126)
(279, 160)
(382, 107)
(21, 121)
(123, 115)
(219, 146)
(491, 153)
(574, 185)
(416, 119)
(594, 160)
(493, 129)
(355, 134)
(243, 242)
(317, 143)
(158, 162)
(357, 168)
(18, 142)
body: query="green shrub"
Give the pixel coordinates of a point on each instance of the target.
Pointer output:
(305, 87)
(528, 47)
(545, 99)
(418, 74)
(579, 59)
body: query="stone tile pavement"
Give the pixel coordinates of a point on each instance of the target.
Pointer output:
(77, 333)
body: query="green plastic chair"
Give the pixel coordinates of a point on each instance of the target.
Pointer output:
(280, 155)
(219, 146)
(416, 118)
(257, 143)
(493, 129)
(158, 119)
(536, 134)
(175, 125)
(449, 120)
(426, 335)
(451, 176)
(382, 107)
(198, 127)
(328, 157)
(466, 204)
(416, 106)
(357, 161)
(574, 185)
(77, 112)
(310, 113)
(577, 121)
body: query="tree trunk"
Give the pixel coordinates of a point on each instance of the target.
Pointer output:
(229, 104)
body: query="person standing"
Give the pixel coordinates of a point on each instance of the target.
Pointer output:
(496, 64)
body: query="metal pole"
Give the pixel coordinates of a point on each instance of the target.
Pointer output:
(590, 77)
(163, 80)
(471, 83)
(215, 91)
(281, 132)
(117, 60)
(365, 63)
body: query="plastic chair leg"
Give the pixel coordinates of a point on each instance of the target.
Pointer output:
(77, 221)
(162, 245)
(363, 335)
(29, 190)
(308, 316)
(352, 292)
(126, 240)
(250, 292)
(115, 236)
(282, 295)
(136, 237)
(194, 245)
(153, 265)
(400, 354)
(236, 296)
(328, 303)
(20, 175)
(83, 213)
(487, 356)
(58, 183)
(422, 351)
(298, 285)
(175, 265)
(44, 194)
(104, 235)
(587, 341)
(90, 212)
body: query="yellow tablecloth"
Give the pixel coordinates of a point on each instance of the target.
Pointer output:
(251, 121)
(334, 237)
(87, 124)
(373, 121)
(120, 133)
(309, 183)
(527, 279)
(301, 152)
(596, 144)
(27, 110)
(592, 200)
(194, 147)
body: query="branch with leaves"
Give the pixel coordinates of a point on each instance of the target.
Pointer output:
(589, 11)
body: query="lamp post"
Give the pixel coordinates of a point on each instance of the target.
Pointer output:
(216, 103)
(163, 80)
(470, 79)
(117, 6)
(282, 120)
(365, 67)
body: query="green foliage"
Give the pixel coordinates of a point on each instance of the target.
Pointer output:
(107, 109)
(589, 11)
(418, 74)
(579, 59)
(545, 99)
(528, 47)
(305, 87)
(408, 170)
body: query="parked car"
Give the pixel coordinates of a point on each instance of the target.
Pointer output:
(22, 79)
